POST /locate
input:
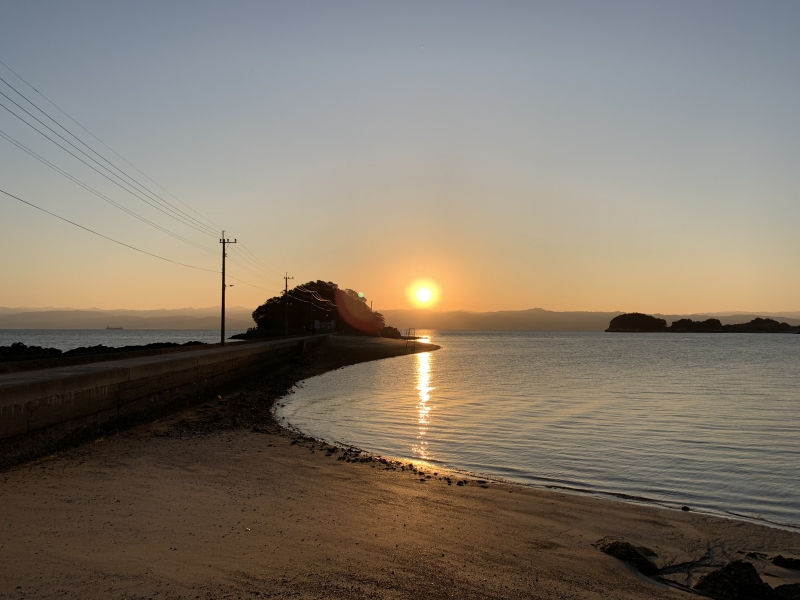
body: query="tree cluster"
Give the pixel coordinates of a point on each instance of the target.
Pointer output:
(642, 323)
(636, 322)
(689, 326)
(317, 302)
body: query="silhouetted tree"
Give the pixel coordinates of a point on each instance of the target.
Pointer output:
(641, 322)
(689, 326)
(306, 304)
(759, 325)
(636, 322)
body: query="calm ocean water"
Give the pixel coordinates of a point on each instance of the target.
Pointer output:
(67, 339)
(711, 421)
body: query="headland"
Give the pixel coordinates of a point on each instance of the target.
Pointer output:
(220, 501)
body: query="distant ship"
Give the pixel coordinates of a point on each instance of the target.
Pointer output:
(109, 327)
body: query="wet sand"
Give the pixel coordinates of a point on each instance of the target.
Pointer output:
(220, 502)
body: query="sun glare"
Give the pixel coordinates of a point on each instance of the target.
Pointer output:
(423, 293)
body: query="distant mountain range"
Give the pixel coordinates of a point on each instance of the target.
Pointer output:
(236, 317)
(538, 319)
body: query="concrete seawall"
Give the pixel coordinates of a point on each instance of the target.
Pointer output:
(42, 409)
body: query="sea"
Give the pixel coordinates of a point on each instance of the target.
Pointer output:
(707, 421)
(68, 339)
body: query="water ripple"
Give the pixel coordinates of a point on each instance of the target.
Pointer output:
(711, 421)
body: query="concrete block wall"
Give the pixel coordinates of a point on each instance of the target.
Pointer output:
(52, 404)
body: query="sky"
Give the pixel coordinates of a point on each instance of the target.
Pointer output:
(565, 155)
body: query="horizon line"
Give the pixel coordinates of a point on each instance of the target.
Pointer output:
(428, 310)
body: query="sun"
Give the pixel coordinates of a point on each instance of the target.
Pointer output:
(423, 293)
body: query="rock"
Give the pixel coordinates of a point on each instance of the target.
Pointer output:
(738, 580)
(786, 563)
(789, 591)
(630, 554)
(19, 351)
(685, 508)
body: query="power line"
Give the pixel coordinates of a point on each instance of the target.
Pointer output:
(313, 293)
(104, 175)
(147, 191)
(266, 266)
(217, 227)
(246, 282)
(179, 215)
(105, 236)
(128, 245)
(253, 273)
(90, 189)
(249, 260)
(309, 302)
(111, 201)
(89, 157)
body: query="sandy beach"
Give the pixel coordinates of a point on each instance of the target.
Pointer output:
(221, 502)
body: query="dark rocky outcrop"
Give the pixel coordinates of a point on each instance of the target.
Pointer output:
(637, 322)
(19, 351)
(390, 332)
(738, 580)
(786, 563)
(101, 349)
(637, 557)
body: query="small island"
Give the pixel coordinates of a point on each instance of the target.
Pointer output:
(317, 306)
(641, 323)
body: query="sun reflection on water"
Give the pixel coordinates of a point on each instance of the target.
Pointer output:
(424, 389)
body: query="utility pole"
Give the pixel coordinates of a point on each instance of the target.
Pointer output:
(224, 243)
(286, 279)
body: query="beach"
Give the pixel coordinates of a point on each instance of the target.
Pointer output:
(221, 502)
